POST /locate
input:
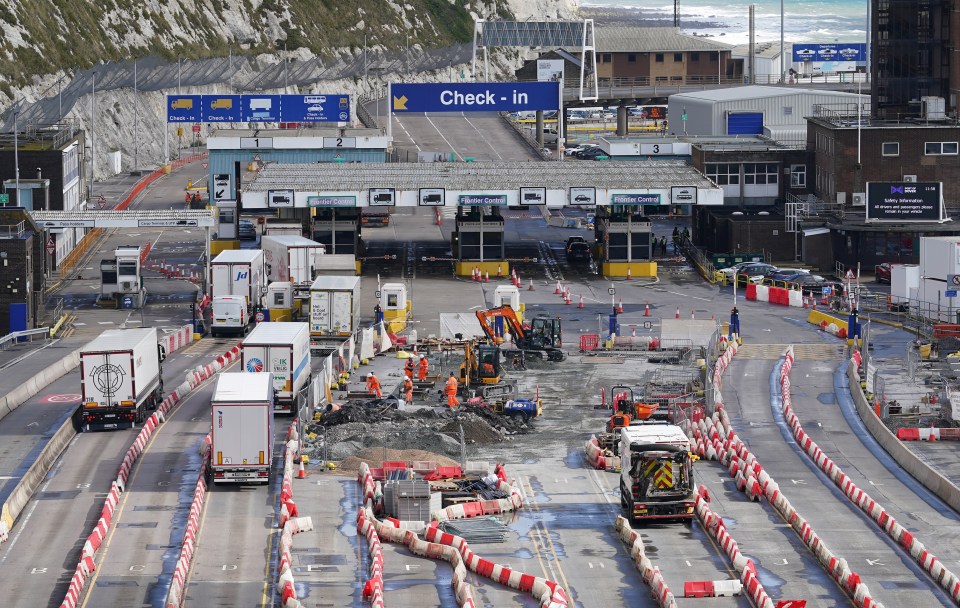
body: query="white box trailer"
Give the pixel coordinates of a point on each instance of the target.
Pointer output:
(904, 280)
(241, 410)
(334, 307)
(939, 259)
(283, 350)
(120, 378)
(239, 272)
(291, 258)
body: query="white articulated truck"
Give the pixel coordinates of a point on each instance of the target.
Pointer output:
(120, 378)
(283, 350)
(291, 258)
(334, 310)
(241, 448)
(236, 274)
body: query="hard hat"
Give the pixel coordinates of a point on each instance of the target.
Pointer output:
(423, 356)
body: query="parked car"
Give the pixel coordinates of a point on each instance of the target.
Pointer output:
(881, 273)
(789, 272)
(574, 239)
(578, 253)
(755, 272)
(736, 268)
(572, 150)
(591, 154)
(247, 231)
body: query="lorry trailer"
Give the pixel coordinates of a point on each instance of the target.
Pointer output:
(241, 411)
(283, 350)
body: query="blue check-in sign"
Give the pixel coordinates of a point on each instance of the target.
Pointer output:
(474, 96)
(261, 108)
(316, 108)
(184, 108)
(471, 200)
(222, 108)
(635, 199)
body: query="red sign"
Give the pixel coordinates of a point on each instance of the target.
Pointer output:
(259, 316)
(196, 128)
(51, 246)
(68, 398)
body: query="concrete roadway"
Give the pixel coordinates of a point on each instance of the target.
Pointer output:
(482, 136)
(892, 576)
(46, 541)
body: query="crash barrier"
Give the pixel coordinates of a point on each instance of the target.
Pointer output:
(191, 272)
(599, 458)
(650, 573)
(484, 507)
(85, 567)
(175, 592)
(289, 521)
(373, 587)
(828, 323)
(784, 296)
(714, 525)
(34, 385)
(176, 340)
(548, 593)
(928, 434)
(714, 439)
(921, 471)
(929, 562)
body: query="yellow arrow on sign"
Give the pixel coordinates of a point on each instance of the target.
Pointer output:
(400, 103)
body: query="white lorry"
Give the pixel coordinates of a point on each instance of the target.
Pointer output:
(236, 274)
(283, 350)
(656, 479)
(241, 448)
(334, 310)
(120, 378)
(291, 258)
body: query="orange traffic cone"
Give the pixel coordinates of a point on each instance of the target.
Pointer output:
(692, 315)
(628, 272)
(566, 297)
(531, 286)
(486, 279)
(678, 312)
(557, 289)
(499, 271)
(580, 305)
(805, 304)
(633, 331)
(301, 474)
(620, 306)
(646, 311)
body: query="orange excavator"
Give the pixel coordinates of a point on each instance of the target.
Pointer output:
(626, 409)
(543, 337)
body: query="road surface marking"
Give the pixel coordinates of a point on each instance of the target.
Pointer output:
(685, 295)
(875, 562)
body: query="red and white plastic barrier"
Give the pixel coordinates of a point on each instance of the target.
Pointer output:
(290, 522)
(175, 593)
(650, 573)
(928, 434)
(174, 341)
(775, 295)
(598, 458)
(927, 560)
(717, 433)
(484, 507)
(86, 564)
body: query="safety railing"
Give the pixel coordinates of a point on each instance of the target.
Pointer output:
(25, 335)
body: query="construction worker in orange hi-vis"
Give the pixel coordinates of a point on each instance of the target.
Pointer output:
(408, 390)
(373, 385)
(451, 391)
(408, 368)
(422, 370)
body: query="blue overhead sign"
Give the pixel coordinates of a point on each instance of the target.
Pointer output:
(315, 108)
(258, 108)
(183, 108)
(635, 199)
(475, 96)
(839, 51)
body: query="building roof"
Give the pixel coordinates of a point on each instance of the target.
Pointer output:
(761, 92)
(768, 50)
(629, 39)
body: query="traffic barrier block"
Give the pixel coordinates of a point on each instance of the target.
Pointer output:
(698, 589)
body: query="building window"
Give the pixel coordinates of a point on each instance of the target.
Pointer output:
(694, 56)
(607, 58)
(631, 57)
(723, 174)
(715, 56)
(940, 148)
(659, 58)
(678, 57)
(788, 110)
(660, 79)
(798, 176)
(890, 148)
(760, 173)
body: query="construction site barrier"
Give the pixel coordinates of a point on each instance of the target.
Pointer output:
(650, 573)
(175, 592)
(714, 525)
(290, 523)
(928, 434)
(910, 543)
(85, 566)
(599, 458)
(483, 507)
(714, 438)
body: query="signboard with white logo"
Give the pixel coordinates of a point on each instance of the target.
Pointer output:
(183, 108)
(533, 196)
(261, 108)
(683, 195)
(382, 197)
(583, 196)
(221, 108)
(258, 108)
(167, 223)
(70, 224)
(635, 199)
(331, 200)
(904, 202)
(549, 70)
(222, 186)
(491, 200)
(315, 108)
(279, 198)
(431, 197)
(475, 96)
(837, 51)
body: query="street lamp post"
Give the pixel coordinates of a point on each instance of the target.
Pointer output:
(93, 138)
(16, 154)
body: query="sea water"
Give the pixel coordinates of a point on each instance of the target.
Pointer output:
(823, 21)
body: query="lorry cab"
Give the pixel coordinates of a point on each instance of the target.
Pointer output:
(230, 315)
(656, 480)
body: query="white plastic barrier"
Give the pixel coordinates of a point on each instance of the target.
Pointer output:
(796, 298)
(175, 592)
(650, 573)
(763, 293)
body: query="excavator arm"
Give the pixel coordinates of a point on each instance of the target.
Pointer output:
(509, 317)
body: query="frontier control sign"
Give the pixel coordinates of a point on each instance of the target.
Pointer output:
(475, 96)
(904, 202)
(635, 199)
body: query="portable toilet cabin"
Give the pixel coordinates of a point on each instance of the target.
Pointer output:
(279, 301)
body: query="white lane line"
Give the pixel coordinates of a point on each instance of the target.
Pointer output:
(434, 125)
(686, 295)
(480, 133)
(400, 124)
